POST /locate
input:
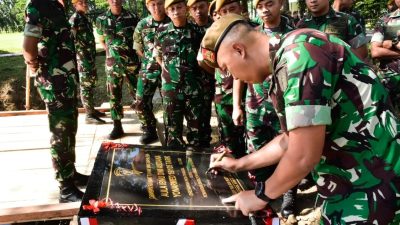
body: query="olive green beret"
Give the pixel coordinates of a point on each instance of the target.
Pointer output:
(191, 2)
(211, 8)
(171, 2)
(220, 3)
(214, 36)
(255, 3)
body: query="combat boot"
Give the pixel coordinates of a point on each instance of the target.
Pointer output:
(149, 135)
(289, 203)
(117, 131)
(69, 192)
(80, 180)
(93, 119)
(99, 114)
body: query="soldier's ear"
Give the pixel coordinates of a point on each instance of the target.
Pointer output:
(240, 49)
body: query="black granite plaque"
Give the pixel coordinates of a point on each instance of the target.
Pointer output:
(166, 185)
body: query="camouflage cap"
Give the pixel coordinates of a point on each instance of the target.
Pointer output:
(211, 8)
(168, 3)
(191, 2)
(214, 36)
(220, 3)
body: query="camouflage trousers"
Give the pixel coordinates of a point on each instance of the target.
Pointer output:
(208, 96)
(178, 105)
(147, 85)
(87, 83)
(391, 80)
(115, 76)
(61, 104)
(230, 135)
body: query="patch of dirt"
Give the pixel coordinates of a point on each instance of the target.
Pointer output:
(12, 96)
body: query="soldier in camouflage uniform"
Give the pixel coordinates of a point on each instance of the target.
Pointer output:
(346, 6)
(176, 45)
(50, 54)
(150, 70)
(85, 47)
(262, 123)
(331, 106)
(231, 135)
(386, 48)
(322, 17)
(199, 13)
(115, 28)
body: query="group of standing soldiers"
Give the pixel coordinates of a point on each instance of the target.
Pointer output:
(162, 51)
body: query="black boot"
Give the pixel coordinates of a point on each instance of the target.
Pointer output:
(69, 192)
(80, 180)
(306, 183)
(93, 119)
(149, 135)
(117, 131)
(289, 203)
(99, 114)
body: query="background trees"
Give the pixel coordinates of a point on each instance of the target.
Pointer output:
(12, 11)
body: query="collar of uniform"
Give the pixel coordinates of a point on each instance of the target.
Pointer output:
(331, 14)
(109, 13)
(395, 14)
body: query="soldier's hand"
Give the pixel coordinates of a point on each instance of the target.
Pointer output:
(237, 116)
(227, 163)
(33, 65)
(387, 44)
(246, 201)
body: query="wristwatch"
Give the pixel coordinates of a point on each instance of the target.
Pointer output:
(259, 191)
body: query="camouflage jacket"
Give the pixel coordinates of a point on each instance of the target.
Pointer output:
(357, 15)
(85, 44)
(223, 88)
(318, 80)
(340, 24)
(144, 41)
(47, 21)
(118, 36)
(388, 28)
(178, 47)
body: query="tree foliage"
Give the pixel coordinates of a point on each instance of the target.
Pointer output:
(12, 11)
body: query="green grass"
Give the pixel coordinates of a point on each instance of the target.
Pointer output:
(11, 43)
(12, 85)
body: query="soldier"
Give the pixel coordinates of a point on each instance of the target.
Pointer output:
(331, 106)
(115, 28)
(49, 53)
(150, 70)
(322, 17)
(262, 123)
(85, 47)
(346, 6)
(385, 47)
(212, 12)
(230, 135)
(176, 45)
(198, 10)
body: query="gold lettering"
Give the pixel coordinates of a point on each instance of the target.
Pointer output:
(162, 182)
(197, 177)
(172, 178)
(188, 187)
(149, 175)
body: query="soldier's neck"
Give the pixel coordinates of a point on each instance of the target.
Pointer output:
(179, 23)
(272, 24)
(202, 22)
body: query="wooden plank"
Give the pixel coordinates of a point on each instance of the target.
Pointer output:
(40, 212)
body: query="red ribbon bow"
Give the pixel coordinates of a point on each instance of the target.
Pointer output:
(95, 206)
